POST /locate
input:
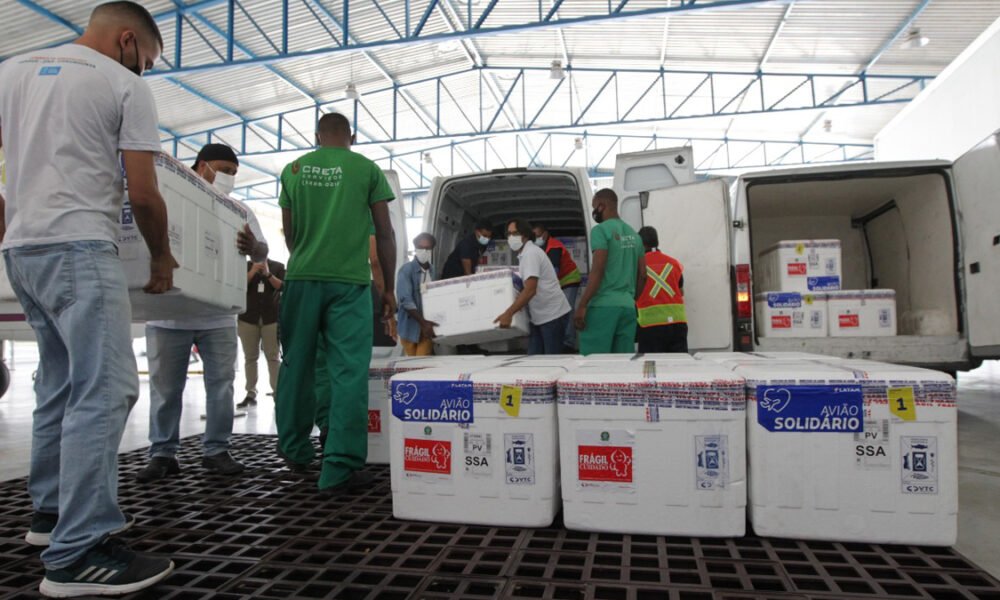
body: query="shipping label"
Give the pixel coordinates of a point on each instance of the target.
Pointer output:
(849, 321)
(519, 458)
(210, 245)
(871, 446)
(433, 401)
(920, 464)
(605, 460)
(781, 321)
(478, 454)
(797, 269)
(811, 408)
(712, 466)
(816, 319)
(823, 284)
(374, 422)
(784, 300)
(427, 453)
(884, 318)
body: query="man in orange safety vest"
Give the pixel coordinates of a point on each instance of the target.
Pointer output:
(567, 272)
(662, 318)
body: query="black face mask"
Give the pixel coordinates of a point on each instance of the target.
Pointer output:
(598, 217)
(137, 69)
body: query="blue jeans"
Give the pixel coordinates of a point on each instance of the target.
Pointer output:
(75, 297)
(547, 338)
(571, 293)
(169, 351)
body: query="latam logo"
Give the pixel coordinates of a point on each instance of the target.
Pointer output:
(797, 269)
(427, 456)
(605, 463)
(849, 321)
(781, 322)
(374, 421)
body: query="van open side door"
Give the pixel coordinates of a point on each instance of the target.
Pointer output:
(977, 184)
(693, 224)
(638, 172)
(383, 345)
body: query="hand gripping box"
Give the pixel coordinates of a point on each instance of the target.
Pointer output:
(791, 314)
(465, 307)
(852, 451)
(202, 226)
(653, 448)
(862, 313)
(380, 372)
(801, 266)
(477, 447)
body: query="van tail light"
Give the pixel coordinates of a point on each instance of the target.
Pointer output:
(744, 309)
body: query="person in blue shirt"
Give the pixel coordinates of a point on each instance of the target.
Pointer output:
(415, 332)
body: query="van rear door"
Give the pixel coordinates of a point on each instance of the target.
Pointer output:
(638, 172)
(977, 183)
(693, 225)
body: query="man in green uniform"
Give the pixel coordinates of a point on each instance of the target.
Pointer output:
(330, 198)
(606, 317)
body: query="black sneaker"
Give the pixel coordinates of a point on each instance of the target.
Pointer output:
(291, 464)
(357, 480)
(247, 402)
(223, 464)
(42, 525)
(108, 569)
(158, 468)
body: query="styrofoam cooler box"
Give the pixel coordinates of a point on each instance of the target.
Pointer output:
(497, 254)
(202, 226)
(801, 266)
(653, 448)
(791, 314)
(862, 313)
(380, 372)
(476, 447)
(465, 307)
(852, 451)
(577, 247)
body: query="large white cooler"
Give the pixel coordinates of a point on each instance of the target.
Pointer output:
(465, 307)
(500, 467)
(380, 372)
(497, 254)
(852, 451)
(792, 314)
(800, 266)
(577, 247)
(862, 313)
(653, 448)
(212, 276)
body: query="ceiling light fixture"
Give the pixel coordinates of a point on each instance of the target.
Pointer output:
(915, 40)
(427, 158)
(556, 71)
(351, 92)
(578, 143)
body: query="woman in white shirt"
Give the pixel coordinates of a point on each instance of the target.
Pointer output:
(542, 294)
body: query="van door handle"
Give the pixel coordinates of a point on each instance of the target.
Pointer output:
(974, 268)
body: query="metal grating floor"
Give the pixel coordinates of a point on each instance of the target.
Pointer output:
(267, 534)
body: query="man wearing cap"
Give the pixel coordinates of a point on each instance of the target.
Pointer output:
(168, 346)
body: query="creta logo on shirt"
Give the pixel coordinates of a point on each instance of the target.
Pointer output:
(605, 463)
(427, 456)
(322, 171)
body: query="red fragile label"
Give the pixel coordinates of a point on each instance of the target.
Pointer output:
(374, 421)
(781, 322)
(605, 463)
(849, 321)
(796, 268)
(427, 456)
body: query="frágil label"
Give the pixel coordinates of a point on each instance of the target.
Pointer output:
(810, 409)
(433, 401)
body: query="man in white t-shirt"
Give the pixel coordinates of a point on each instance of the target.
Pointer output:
(168, 346)
(65, 115)
(542, 294)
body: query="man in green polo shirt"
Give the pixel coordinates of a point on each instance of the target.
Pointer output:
(330, 198)
(606, 317)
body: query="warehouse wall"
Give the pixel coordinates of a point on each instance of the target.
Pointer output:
(957, 110)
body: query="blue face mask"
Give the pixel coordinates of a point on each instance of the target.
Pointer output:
(483, 240)
(540, 242)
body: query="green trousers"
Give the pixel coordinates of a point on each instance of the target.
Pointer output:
(610, 329)
(339, 314)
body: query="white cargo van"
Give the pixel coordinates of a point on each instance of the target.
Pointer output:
(928, 230)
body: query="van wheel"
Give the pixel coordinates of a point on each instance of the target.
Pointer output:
(4, 379)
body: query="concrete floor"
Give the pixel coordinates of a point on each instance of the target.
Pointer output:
(978, 431)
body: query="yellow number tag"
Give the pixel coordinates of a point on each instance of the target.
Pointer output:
(901, 403)
(800, 249)
(510, 399)
(808, 298)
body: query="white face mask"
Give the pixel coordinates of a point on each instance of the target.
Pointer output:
(540, 242)
(423, 255)
(515, 242)
(483, 240)
(224, 182)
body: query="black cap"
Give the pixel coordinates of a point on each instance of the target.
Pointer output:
(216, 152)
